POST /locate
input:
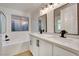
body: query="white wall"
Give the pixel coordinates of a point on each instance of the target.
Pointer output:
(34, 20)
(23, 35)
(50, 22)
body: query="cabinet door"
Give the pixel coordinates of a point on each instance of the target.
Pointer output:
(57, 51)
(30, 44)
(69, 18)
(45, 48)
(34, 46)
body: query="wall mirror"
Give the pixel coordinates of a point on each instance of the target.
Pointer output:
(43, 23)
(66, 18)
(2, 23)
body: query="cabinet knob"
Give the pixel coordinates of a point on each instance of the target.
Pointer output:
(38, 43)
(30, 42)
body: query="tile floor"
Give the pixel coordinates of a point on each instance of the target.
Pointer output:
(26, 53)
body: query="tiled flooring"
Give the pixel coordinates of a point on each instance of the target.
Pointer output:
(26, 53)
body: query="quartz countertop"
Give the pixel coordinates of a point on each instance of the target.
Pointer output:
(71, 44)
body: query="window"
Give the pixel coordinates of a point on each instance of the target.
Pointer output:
(19, 23)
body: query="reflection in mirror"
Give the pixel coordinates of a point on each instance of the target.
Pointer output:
(57, 21)
(39, 21)
(66, 18)
(43, 23)
(2, 22)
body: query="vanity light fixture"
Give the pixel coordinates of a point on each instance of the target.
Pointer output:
(45, 7)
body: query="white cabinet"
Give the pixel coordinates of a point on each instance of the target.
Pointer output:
(45, 48)
(57, 51)
(34, 48)
(40, 47)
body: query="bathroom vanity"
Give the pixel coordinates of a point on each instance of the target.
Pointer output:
(65, 18)
(52, 45)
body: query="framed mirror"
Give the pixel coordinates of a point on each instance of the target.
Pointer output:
(66, 18)
(42, 22)
(2, 23)
(57, 20)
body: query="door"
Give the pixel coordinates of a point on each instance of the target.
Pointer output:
(45, 48)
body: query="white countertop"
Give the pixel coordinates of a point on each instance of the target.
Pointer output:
(71, 44)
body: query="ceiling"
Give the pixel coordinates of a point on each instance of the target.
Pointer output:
(26, 7)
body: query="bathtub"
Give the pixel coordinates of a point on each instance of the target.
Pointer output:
(12, 47)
